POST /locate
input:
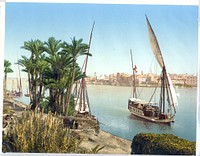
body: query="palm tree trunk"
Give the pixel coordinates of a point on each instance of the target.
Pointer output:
(40, 89)
(59, 101)
(36, 90)
(62, 102)
(34, 95)
(70, 89)
(52, 101)
(30, 88)
(33, 102)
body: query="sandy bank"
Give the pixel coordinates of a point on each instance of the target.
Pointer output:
(9, 101)
(112, 144)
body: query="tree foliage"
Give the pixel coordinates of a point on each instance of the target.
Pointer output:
(7, 69)
(52, 67)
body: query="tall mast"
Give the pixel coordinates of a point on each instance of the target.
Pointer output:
(163, 88)
(12, 86)
(83, 96)
(133, 69)
(86, 60)
(20, 81)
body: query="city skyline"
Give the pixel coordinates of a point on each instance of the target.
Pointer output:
(118, 28)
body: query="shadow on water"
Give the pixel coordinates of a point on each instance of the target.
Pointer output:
(142, 123)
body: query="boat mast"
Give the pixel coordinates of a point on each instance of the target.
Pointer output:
(163, 82)
(20, 81)
(86, 61)
(134, 77)
(83, 96)
(12, 86)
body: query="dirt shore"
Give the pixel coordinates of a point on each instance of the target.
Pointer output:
(112, 144)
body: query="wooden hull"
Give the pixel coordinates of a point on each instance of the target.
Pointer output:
(148, 112)
(154, 119)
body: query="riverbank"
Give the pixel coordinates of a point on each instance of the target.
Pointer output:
(112, 144)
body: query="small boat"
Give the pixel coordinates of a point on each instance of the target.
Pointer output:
(164, 110)
(27, 95)
(27, 92)
(19, 93)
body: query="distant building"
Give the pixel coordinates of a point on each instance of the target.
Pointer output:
(122, 79)
(184, 79)
(191, 80)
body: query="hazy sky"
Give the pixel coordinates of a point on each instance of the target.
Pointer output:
(118, 29)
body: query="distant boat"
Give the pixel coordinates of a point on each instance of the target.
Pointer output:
(163, 111)
(27, 95)
(27, 92)
(19, 93)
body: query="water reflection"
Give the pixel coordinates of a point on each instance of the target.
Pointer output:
(142, 123)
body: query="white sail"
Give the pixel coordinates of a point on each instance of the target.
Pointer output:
(173, 93)
(157, 52)
(154, 45)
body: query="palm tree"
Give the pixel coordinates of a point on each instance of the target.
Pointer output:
(56, 78)
(75, 49)
(53, 46)
(36, 49)
(7, 69)
(54, 74)
(26, 63)
(42, 66)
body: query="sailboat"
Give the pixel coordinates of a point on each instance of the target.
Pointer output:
(27, 91)
(19, 84)
(82, 105)
(164, 110)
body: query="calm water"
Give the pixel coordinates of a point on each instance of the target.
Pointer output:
(109, 105)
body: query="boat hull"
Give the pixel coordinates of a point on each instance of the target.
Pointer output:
(27, 95)
(148, 112)
(154, 119)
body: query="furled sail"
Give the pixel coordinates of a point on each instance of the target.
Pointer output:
(157, 52)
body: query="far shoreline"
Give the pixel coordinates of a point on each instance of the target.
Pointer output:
(142, 86)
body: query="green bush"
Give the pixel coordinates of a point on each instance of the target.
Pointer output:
(146, 143)
(44, 104)
(43, 133)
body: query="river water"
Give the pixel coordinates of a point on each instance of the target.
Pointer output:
(109, 105)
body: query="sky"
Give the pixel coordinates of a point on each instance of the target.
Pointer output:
(118, 28)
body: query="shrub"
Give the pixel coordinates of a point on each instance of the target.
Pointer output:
(161, 144)
(43, 133)
(44, 104)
